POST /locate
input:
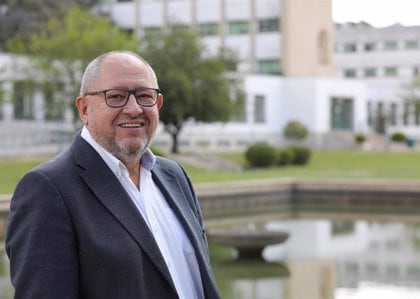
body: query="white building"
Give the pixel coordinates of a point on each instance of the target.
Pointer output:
(333, 78)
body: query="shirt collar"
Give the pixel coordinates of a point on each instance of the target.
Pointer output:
(147, 160)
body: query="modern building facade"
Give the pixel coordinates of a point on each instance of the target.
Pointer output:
(296, 64)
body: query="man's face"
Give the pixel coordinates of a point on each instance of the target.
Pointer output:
(125, 132)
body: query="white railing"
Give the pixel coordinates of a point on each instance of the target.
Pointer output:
(22, 137)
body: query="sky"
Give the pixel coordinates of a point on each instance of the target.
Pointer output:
(379, 13)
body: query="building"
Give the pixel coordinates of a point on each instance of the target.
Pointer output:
(337, 79)
(287, 66)
(385, 59)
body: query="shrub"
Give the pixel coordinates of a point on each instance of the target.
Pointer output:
(359, 138)
(295, 130)
(261, 155)
(301, 154)
(398, 137)
(285, 156)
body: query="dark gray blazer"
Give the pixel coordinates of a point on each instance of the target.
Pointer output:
(73, 232)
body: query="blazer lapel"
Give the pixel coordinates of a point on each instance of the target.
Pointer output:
(110, 192)
(166, 181)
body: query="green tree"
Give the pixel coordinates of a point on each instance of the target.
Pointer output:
(62, 49)
(24, 17)
(195, 86)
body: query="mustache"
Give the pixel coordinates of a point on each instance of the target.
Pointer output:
(142, 117)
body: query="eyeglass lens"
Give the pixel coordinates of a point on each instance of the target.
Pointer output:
(119, 97)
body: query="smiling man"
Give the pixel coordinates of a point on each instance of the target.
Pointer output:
(107, 218)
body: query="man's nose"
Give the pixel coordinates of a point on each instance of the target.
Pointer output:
(132, 107)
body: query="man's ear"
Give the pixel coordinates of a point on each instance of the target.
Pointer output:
(159, 103)
(81, 104)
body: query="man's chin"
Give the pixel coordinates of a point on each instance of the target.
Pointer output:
(133, 149)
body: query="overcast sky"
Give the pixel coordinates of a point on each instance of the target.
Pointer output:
(378, 13)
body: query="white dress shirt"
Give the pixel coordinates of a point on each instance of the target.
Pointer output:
(168, 232)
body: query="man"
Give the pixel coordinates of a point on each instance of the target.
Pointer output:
(106, 218)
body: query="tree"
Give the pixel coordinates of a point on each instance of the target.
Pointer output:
(24, 17)
(59, 53)
(195, 86)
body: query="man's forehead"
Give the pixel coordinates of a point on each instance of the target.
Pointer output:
(120, 66)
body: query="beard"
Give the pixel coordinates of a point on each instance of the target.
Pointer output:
(124, 152)
(128, 152)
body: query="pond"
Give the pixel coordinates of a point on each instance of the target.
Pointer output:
(323, 258)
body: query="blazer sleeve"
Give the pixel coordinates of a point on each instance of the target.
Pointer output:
(40, 241)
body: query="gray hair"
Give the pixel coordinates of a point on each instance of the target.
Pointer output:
(91, 74)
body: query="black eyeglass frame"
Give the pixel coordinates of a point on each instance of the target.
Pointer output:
(130, 92)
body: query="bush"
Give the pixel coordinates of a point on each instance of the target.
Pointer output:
(261, 155)
(359, 138)
(398, 137)
(285, 156)
(295, 130)
(301, 154)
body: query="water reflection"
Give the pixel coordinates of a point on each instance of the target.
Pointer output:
(322, 259)
(338, 260)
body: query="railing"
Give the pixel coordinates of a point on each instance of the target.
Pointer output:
(32, 137)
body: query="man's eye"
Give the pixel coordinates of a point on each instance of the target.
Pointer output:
(116, 96)
(144, 96)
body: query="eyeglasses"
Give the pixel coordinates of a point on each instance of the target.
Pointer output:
(118, 97)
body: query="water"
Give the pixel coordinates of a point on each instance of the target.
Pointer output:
(334, 260)
(322, 259)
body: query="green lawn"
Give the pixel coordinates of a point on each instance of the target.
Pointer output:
(325, 164)
(329, 164)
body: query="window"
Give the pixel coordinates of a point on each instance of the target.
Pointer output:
(370, 72)
(391, 71)
(411, 44)
(390, 45)
(341, 114)
(370, 47)
(180, 28)
(238, 27)
(269, 25)
(269, 66)
(350, 73)
(349, 48)
(259, 109)
(23, 100)
(370, 114)
(152, 31)
(208, 29)
(393, 114)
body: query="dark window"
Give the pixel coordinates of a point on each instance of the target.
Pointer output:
(269, 25)
(238, 27)
(207, 29)
(341, 114)
(350, 47)
(269, 66)
(350, 73)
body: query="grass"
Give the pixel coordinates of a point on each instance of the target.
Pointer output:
(323, 164)
(328, 165)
